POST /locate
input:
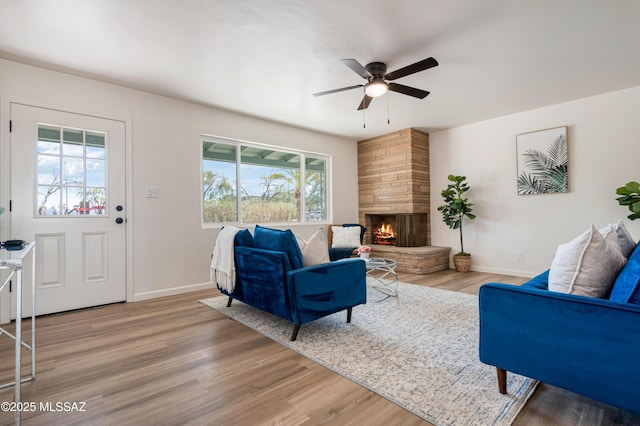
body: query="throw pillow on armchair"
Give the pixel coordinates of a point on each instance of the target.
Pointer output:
(349, 238)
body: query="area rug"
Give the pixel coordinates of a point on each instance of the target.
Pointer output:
(419, 350)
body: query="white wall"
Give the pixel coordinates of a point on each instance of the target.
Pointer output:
(170, 251)
(604, 152)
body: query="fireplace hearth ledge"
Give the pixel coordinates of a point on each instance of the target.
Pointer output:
(414, 260)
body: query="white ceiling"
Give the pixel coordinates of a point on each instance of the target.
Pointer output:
(265, 58)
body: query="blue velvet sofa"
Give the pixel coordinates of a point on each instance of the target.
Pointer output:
(586, 345)
(270, 276)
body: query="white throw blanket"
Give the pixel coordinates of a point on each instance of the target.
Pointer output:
(223, 267)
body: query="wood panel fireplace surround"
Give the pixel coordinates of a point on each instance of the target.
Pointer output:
(394, 201)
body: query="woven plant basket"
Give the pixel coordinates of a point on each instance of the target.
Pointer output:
(462, 263)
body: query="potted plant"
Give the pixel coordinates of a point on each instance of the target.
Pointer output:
(630, 197)
(454, 210)
(364, 252)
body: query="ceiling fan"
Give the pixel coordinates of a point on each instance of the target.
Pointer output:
(378, 79)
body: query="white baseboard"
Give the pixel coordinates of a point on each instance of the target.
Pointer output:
(500, 271)
(172, 291)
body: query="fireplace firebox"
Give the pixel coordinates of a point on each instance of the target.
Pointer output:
(400, 229)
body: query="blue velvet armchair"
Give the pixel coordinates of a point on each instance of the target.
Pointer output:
(270, 276)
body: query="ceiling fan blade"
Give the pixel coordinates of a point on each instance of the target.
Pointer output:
(357, 68)
(365, 102)
(406, 90)
(328, 92)
(412, 69)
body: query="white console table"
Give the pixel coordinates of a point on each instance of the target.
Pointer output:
(12, 261)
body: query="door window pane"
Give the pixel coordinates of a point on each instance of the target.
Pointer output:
(48, 200)
(73, 142)
(95, 145)
(95, 175)
(72, 200)
(71, 172)
(95, 199)
(48, 170)
(49, 139)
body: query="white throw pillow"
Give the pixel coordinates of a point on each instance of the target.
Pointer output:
(618, 233)
(587, 266)
(315, 250)
(345, 236)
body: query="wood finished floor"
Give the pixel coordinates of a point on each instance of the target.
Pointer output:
(173, 361)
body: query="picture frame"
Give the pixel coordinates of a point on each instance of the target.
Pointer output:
(542, 162)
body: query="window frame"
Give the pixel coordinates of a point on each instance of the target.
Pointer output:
(303, 155)
(61, 156)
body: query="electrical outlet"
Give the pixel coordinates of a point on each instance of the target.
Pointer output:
(520, 257)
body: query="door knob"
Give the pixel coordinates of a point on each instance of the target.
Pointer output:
(119, 220)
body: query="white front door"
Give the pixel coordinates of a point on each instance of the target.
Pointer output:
(67, 195)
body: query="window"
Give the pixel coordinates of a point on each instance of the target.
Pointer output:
(71, 172)
(315, 189)
(251, 183)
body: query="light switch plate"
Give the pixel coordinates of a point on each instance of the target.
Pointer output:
(152, 192)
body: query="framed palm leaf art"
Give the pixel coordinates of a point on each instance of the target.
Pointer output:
(542, 161)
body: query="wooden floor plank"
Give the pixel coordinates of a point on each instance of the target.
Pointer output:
(176, 361)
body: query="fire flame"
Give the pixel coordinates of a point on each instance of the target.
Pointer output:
(384, 234)
(386, 231)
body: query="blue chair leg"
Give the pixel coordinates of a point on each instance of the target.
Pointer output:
(294, 335)
(502, 380)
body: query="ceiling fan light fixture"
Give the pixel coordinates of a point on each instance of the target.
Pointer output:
(376, 75)
(375, 88)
